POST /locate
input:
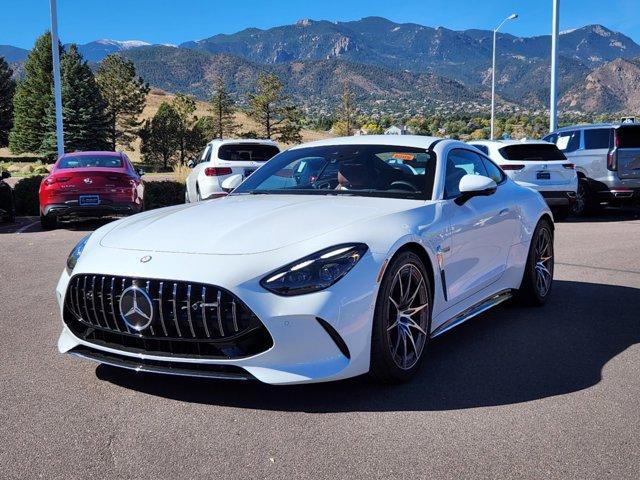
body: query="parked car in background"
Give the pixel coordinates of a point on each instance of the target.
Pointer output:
(7, 200)
(90, 184)
(607, 160)
(335, 258)
(222, 158)
(539, 165)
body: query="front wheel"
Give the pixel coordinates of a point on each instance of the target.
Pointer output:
(538, 274)
(402, 320)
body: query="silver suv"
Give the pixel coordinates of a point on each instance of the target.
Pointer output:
(607, 160)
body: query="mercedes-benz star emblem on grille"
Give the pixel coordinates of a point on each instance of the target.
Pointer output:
(136, 308)
(88, 181)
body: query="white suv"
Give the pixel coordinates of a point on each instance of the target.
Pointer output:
(538, 165)
(222, 158)
(607, 159)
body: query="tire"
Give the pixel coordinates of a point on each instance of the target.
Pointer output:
(186, 196)
(561, 213)
(586, 204)
(48, 222)
(398, 343)
(198, 196)
(537, 279)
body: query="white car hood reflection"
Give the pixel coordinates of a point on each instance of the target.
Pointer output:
(246, 224)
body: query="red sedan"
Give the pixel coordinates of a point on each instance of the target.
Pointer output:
(90, 184)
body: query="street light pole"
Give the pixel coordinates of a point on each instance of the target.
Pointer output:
(57, 89)
(493, 73)
(555, 27)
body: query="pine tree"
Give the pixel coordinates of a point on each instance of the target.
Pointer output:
(159, 139)
(7, 88)
(223, 110)
(188, 138)
(347, 111)
(125, 94)
(33, 96)
(276, 116)
(84, 117)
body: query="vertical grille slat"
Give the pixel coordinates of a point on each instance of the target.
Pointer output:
(93, 301)
(175, 309)
(188, 307)
(104, 313)
(234, 314)
(219, 312)
(149, 293)
(84, 301)
(161, 309)
(204, 312)
(112, 302)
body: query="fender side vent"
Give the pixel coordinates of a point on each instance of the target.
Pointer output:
(335, 336)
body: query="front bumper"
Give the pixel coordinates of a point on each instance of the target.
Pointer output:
(72, 209)
(303, 350)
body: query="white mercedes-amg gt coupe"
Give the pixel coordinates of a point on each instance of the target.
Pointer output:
(334, 259)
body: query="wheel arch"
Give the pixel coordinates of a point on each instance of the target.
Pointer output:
(422, 253)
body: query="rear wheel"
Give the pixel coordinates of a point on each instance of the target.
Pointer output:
(538, 274)
(198, 196)
(48, 222)
(586, 202)
(402, 320)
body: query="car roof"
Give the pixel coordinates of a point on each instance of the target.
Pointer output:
(96, 153)
(503, 143)
(418, 141)
(218, 142)
(589, 126)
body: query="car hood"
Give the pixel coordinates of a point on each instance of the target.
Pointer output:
(246, 224)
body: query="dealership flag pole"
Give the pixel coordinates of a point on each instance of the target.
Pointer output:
(57, 89)
(553, 111)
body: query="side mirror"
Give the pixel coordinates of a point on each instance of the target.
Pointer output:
(191, 163)
(475, 186)
(5, 174)
(231, 182)
(140, 171)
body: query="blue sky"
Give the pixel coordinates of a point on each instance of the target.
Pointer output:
(165, 21)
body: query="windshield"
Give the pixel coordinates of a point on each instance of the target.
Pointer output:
(84, 161)
(246, 152)
(362, 170)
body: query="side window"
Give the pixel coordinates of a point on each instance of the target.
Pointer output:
(207, 154)
(493, 171)
(483, 148)
(568, 141)
(598, 138)
(461, 162)
(553, 138)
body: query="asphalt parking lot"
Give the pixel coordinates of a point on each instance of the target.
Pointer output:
(517, 393)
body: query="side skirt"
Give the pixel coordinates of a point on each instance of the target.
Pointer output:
(473, 311)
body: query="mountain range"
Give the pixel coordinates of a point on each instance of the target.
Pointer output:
(391, 62)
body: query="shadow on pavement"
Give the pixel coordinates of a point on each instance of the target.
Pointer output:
(505, 356)
(613, 214)
(32, 225)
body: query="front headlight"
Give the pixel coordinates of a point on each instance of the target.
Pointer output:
(315, 272)
(75, 254)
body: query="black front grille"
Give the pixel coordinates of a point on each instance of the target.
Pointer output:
(189, 319)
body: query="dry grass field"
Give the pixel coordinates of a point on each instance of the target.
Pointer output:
(155, 98)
